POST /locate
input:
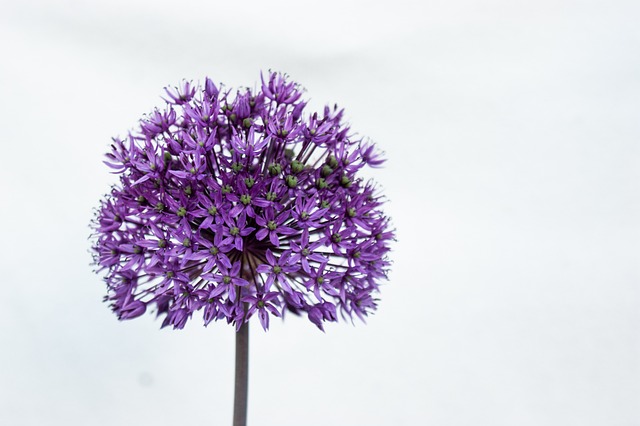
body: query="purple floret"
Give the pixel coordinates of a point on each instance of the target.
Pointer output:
(239, 205)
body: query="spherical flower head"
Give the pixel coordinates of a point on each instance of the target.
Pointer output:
(242, 204)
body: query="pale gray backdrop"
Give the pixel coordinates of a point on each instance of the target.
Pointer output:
(511, 129)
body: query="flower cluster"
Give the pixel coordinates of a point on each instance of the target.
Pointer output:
(239, 205)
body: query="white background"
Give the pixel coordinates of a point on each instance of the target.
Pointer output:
(511, 130)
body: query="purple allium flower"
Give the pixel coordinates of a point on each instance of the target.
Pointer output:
(239, 205)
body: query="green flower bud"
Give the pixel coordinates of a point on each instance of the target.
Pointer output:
(271, 196)
(332, 161)
(291, 181)
(275, 169)
(321, 183)
(296, 166)
(326, 170)
(288, 153)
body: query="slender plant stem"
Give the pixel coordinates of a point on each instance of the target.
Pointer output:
(242, 376)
